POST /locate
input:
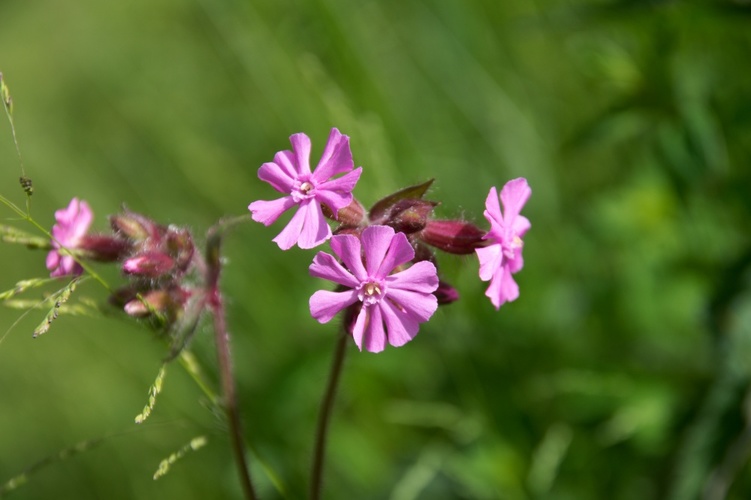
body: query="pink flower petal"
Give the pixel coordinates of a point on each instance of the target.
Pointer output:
(277, 176)
(420, 277)
(327, 267)
(376, 241)
(520, 226)
(301, 149)
(53, 260)
(324, 304)
(291, 232)
(418, 306)
(502, 288)
(336, 158)
(358, 331)
(267, 212)
(515, 265)
(71, 225)
(401, 326)
(493, 209)
(399, 252)
(315, 230)
(374, 337)
(337, 193)
(349, 249)
(514, 195)
(286, 162)
(491, 258)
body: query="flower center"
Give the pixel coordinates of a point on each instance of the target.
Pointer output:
(303, 190)
(370, 292)
(510, 246)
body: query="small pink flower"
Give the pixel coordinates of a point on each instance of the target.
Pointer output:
(71, 226)
(290, 174)
(503, 257)
(393, 305)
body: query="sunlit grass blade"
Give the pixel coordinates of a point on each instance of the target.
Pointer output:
(164, 466)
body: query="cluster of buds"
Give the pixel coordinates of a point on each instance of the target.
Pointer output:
(388, 276)
(157, 264)
(154, 257)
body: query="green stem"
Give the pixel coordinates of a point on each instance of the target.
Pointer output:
(324, 417)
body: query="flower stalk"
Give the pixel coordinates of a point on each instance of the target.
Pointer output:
(221, 335)
(324, 415)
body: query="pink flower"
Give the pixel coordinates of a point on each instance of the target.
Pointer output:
(71, 226)
(393, 305)
(503, 256)
(290, 174)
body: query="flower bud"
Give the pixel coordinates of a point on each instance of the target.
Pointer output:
(135, 226)
(381, 210)
(453, 236)
(149, 264)
(410, 216)
(104, 248)
(146, 304)
(180, 246)
(446, 294)
(354, 231)
(351, 215)
(165, 305)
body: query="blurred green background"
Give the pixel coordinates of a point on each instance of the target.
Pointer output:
(622, 371)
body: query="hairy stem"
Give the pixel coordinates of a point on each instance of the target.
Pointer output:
(324, 417)
(221, 334)
(230, 396)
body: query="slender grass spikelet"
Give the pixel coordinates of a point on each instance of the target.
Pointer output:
(10, 234)
(154, 390)
(23, 478)
(164, 466)
(5, 96)
(84, 307)
(60, 297)
(24, 285)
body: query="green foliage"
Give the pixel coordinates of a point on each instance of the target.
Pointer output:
(622, 370)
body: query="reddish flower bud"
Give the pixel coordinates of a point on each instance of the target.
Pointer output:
(354, 231)
(381, 210)
(446, 294)
(410, 216)
(351, 215)
(180, 246)
(149, 264)
(135, 226)
(105, 248)
(166, 305)
(453, 236)
(146, 304)
(422, 251)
